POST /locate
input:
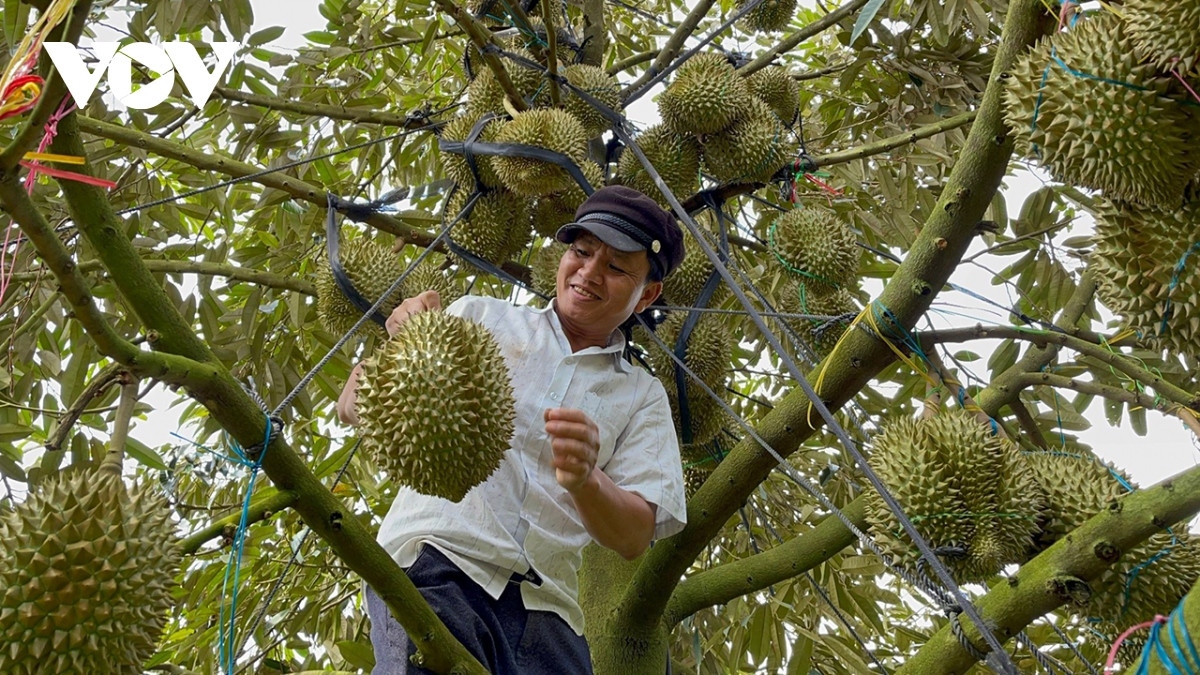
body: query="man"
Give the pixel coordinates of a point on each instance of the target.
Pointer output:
(594, 456)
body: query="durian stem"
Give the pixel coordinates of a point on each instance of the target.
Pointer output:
(933, 402)
(625, 64)
(333, 112)
(260, 509)
(229, 166)
(482, 38)
(52, 458)
(939, 371)
(671, 48)
(234, 272)
(1040, 586)
(791, 41)
(1028, 424)
(115, 456)
(551, 51)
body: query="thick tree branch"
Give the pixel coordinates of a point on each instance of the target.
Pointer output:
(260, 509)
(595, 33)
(672, 46)
(858, 357)
(791, 558)
(1028, 424)
(636, 59)
(325, 110)
(790, 42)
(1064, 571)
(481, 37)
(232, 272)
(1135, 398)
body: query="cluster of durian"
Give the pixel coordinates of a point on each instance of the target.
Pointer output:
(684, 286)
(1099, 115)
(1137, 259)
(543, 268)
(429, 275)
(1167, 34)
(1077, 485)
(436, 405)
(372, 268)
(737, 126)
(707, 354)
(967, 491)
(88, 572)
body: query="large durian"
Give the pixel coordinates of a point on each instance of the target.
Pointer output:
(769, 15)
(818, 300)
(599, 85)
(552, 211)
(707, 96)
(683, 286)
(1077, 486)
(429, 276)
(707, 353)
(543, 268)
(88, 572)
(456, 166)
(675, 156)
(497, 227)
(775, 86)
(1165, 33)
(372, 268)
(816, 245)
(485, 94)
(436, 405)
(552, 129)
(1121, 135)
(967, 492)
(1137, 264)
(751, 149)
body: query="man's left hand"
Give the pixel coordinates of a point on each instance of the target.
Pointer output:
(575, 440)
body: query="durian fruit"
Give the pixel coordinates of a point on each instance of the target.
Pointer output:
(554, 210)
(967, 492)
(1131, 141)
(599, 85)
(708, 352)
(707, 96)
(456, 166)
(1166, 34)
(815, 245)
(429, 276)
(774, 86)
(751, 149)
(497, 227)
(800, 297)
(1077, 484)
(769, 15)
(552, 129)
(88, 572)
(436, 405)
(1136, 257)
(484, 94)
(683, 286)
(372, 268)
(543, 268)
(675, 156)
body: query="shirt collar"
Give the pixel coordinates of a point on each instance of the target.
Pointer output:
(616, 340)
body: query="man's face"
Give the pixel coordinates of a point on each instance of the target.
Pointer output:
(599, 287)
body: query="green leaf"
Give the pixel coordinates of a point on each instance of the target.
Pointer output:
(864, 19)
(11, 469)
(265, 35)
(144, 455)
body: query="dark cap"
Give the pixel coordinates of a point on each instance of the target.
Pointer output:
(628, 220)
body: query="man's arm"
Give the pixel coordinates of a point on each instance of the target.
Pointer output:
(615, 517)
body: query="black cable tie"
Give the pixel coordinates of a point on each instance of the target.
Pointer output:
(332, 247)
(518, 150)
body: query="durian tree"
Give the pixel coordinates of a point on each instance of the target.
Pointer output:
(843, 163)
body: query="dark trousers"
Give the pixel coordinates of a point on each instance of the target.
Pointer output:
(506, 638)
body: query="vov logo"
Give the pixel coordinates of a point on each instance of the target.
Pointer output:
(168, 59)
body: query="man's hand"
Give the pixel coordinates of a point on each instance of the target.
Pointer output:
(575, 440)
(415, 305)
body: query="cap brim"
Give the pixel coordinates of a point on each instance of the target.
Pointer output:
(609, 235)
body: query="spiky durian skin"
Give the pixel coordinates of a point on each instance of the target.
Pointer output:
(775, 86)
(372, 268)
(429, 276)
(962, 487)
(456, 166)
(552, 129)
(816, 245)
(554, 210)
(1136, 257)
(88, 570)
(497, 227)
(751, 149)
(1131, 141)
(769, 15)
(682, 288)
(485, 94)
(799, 297)
(1077, 486)
(436, 405)
(543, 268)
(599, 85)
(675, 156)
(707, 354)
(707, 96)
(1165, 33)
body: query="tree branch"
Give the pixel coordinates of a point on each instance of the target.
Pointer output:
(898, 141)
(671, 48)
(1028, 424)
(233, 272)
(58, 436)
(595, 33)
(1110, 392)
(942, 242)
(1064, 571)
(116, 442)
(260, 509)
(625, 64)
(333, 112)
(792, 41)
(482, 38)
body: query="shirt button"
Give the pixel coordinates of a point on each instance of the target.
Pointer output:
(554, 395)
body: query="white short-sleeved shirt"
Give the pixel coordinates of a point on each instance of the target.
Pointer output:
(520, 518)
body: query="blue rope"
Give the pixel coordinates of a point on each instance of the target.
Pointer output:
(1179, 267)
(1177, 662)
(1137, 569)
